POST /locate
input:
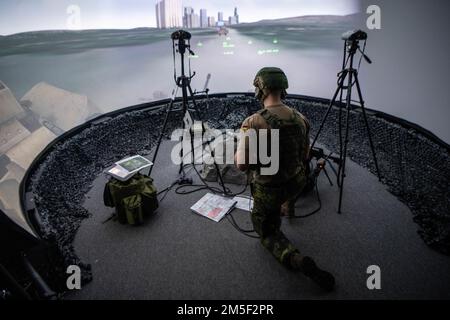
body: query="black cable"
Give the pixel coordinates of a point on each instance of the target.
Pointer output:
(198, 187)
(360, 60)
(313, 212)
(215, 190)
(318, 196)
(228, 192)
(189, 51)
(167, 190)
(174, 62)
(362, 54)
(235, 223)
(243, 233)
(332, 167)
(208, 186)
(205, 185)
(236, 226)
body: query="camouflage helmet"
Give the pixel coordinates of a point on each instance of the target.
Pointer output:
(270, 79)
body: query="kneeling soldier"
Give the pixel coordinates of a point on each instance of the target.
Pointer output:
(275, 195)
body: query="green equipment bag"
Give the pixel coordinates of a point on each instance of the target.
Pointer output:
(133, 209)
(133, 200)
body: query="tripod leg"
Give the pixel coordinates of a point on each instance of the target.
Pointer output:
(219, 174)
(367, 126)
(344, 61)
(186, 88)
(342, 165)
(163, 130)
(185, 104)
(341, 170)
(340, 135)
(332, 102)
(194, 102)
(328, 176)
(332, 168)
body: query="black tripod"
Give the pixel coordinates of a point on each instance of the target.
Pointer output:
(184, 82)
(351, 75)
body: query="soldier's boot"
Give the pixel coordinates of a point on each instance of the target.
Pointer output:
(308, 267)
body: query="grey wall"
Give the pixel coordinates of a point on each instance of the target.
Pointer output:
(409, 77)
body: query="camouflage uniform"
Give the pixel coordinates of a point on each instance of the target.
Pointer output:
(271, 193)
(267, 220)
(274, 193)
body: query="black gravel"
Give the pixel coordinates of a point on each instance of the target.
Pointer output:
(414, 168)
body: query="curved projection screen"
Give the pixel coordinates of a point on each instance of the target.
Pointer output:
(56, 79)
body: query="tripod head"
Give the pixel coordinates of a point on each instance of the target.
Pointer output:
(352, 39)
(184, 41)
(181, 42)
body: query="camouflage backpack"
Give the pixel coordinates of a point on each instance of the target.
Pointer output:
(133, 199)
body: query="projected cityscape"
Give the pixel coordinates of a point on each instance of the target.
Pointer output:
(172, 14)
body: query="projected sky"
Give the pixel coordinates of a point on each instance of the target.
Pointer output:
(23, 15)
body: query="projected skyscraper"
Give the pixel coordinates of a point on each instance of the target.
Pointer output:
(169, 14)
(203, 18)
(187, 17)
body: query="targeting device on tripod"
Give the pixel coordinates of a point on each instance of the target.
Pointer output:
(181, 43)
(184, 39)
(347, 78)
(352, 39)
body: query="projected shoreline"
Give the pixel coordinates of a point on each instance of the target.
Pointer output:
(116, 68)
